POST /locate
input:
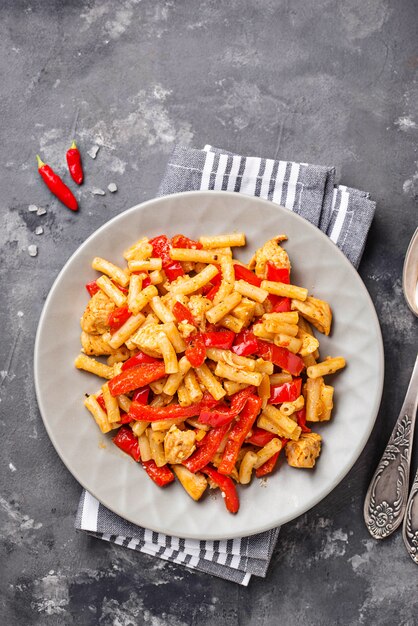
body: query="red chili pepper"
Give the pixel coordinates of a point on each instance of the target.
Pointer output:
(244, 273)
(281, 357)
(301, 419)
(196, 350)
(245, 343)
(126, 441)
(212, 292)
(287, 392)
(124, 418)
(219, 339)
(139, 359)
(92, 288)
(160, 475)
(238, 433)
(278, 274)
(141, 395)
(182, 313)
(180, 241)
(205, 453)
(118, 317)
(135, 377)
(146, 281)
(260, 437)
(226, 485)
(280, 304)
(223, 414)
(74, 164)
(269, 465)
(56, 185)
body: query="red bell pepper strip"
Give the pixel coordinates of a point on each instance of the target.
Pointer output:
(287, 392)
(173, 270)
(223, 414)
(101, 401)
(212, 292)
(160, 475)
(182, 313)
(280, 304)
(260, 437)
(281, 357)
(222, 339)
(196, 350)
(278, 274)
(118, 317)
(269, 465)
(124, 417)
(92, 288)
(238, 433)
(126, 441)
(181, 241)
(56, 185)
(301, 419)
(205, 453)
(244, 273)
(141, 395)
(245, 343)
(135, 377)
(161, 248)
(146, 413)
(139, 359)
(74, 163)
(226, 485)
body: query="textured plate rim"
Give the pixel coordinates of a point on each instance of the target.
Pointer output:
(324, 492)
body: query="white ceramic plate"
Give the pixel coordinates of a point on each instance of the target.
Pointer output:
(116, 480)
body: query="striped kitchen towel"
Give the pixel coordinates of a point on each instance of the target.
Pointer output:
(345, 215)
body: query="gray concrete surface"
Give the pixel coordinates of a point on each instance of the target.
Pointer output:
(327, 82)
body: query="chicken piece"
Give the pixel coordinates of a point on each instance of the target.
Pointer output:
(179, 444)
(245, 311)
(94, 345)
(95, 317)
(194, 484)
(305, 451)
(271, 251)
(185, 329)
(198, 306)
(146, 338)
(317, 312)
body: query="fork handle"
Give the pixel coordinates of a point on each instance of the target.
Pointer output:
(410, 523)
(386, 497)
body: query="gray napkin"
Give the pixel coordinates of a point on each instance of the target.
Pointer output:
(345, 215)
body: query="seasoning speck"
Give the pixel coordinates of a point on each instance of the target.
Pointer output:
(20, 313)
(33, 250)
(12, 467)
(39, 230)
(32, 208)
(112, 187)
(41, 211)
(93, 151)
(98, 192)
